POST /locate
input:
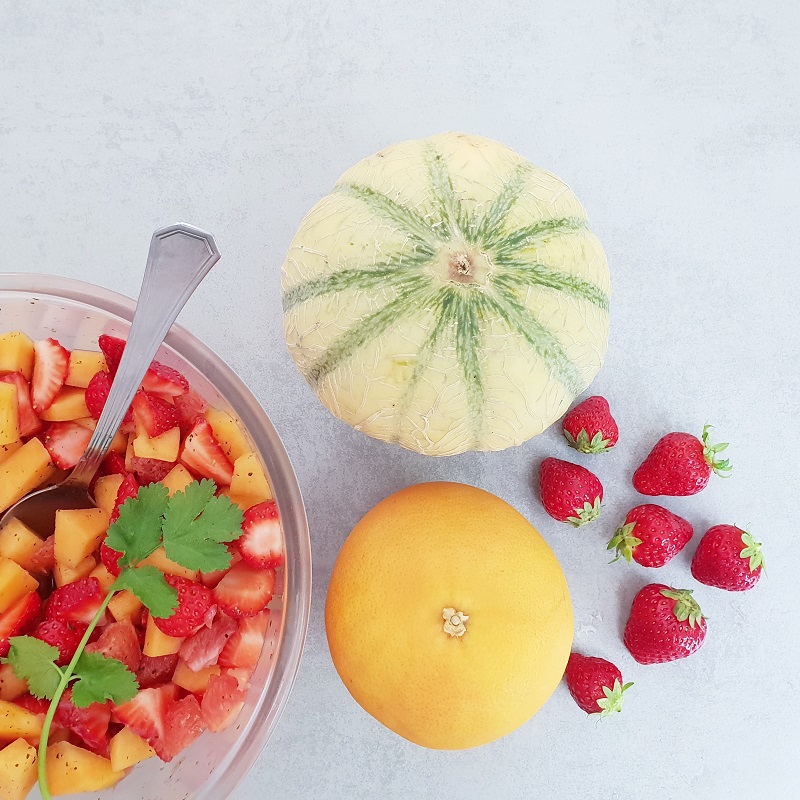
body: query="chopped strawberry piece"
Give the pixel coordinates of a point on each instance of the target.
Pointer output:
(211, 579)
(194, 603)
(202, 650)
(66, 441)
(146, 716)
(127, 489)
(245, 591)
(66, 636)
(162, 379)
(155, 670)
(33, 704)
(78, 601)
(50, 368)
(153, 413)
(119, 640)
(90, 723)
(190, 406)
(242, 675)
(150, 470)
(222, 701)
(29, 422)
(112, 348)
(261, 545)
(110, 559)
(182, 725)
(244, 647)
(114, 464)
(44, 558)
(97, 393)
(17, 619)
(203, 455)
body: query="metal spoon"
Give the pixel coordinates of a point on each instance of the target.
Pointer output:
(180, 257)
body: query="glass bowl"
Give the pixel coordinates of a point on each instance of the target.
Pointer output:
(76, 313)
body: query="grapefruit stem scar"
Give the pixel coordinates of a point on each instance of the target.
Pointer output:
(454, 622)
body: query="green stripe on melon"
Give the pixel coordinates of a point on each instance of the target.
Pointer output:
(448, 295)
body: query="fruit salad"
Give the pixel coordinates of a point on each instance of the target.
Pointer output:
(115, 654)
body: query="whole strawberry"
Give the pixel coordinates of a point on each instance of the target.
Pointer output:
(595, 684)
(664, 624)
(570, 493)
(651, 535)
(680, 464)
(728, 558)
(589, 427)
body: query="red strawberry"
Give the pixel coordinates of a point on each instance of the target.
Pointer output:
(66, 441)
(44, 558)
(182, 725)
(17, 618)
(211, 579)
(150, 470)
(570, 493)
(66, 636)
(162, 379)
(589, 427)
(153, 413)
(245, 591)
(112, 348)
(664, 624)
(90, 723)
(190, 406)
(29, 422)
(78, 601)
(680, 464)
(146, 715)
(651, 536)
(244, 648)
(222, 701)
(194, 602)
(595, 684)
(33, 704)
(114, 464)
(203, 455)
(728, 558)
(97, 393)
(128, 489)
(203, 648)
(50, 368)
(119, 640)
(261, 544)
(110, 559)
(156, 670)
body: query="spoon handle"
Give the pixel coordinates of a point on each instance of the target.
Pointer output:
(180, 257)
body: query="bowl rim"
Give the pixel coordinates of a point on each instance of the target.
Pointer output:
(283, 480)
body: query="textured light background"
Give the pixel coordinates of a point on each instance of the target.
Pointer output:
(676, 124)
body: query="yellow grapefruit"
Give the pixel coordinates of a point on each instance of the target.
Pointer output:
(448, 617)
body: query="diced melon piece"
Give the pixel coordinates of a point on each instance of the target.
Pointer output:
(103, 575)
(7, 449)
(228, 433)
(70, 403)
(11, 687)
(129, 453)
(249, 483)
(83, 365)
(177, 479)
(124, 606)
(128, 748)
(16, 721)
(9, 414)
(119, 443)
(158, 558)
(161, 448)
(105, 492)
(192, 681)
(19, 543)
(15, 582)
(72, 769)
(23, 471)
(64, 574)
(16, 354)
(79, 532)
(17, 770)
(157, 643)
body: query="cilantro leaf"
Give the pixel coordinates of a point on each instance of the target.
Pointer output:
(35, 661)
(149, 585)
(196, 526)
(137, 532)
(100, 679)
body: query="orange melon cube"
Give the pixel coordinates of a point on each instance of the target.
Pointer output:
(11, 687)
(228, 433)
(79, 532)
(7, 449)
(158, 558)
(128, 748)
(129, 453)
(16, 353)
(70, 403)
(196, 682)
(63, 574)
(177, 479)
(15, 582)
(72, 769)
(17, 770)
(249, 484)
(19, 543)
(9, 416)
(157, 643)
(124, 606)
(161, 448)
(23, 471)
(83, 364)
(102, 574)
(16, 722)
(105, 492)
